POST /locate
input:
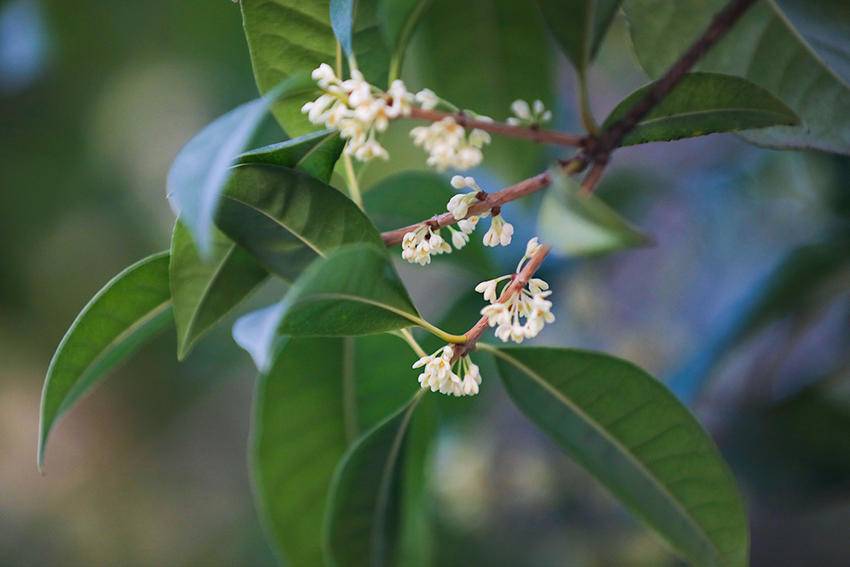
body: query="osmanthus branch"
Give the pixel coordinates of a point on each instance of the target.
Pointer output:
(596, 150)
(518, 281)
(524, 132)
(488, 202)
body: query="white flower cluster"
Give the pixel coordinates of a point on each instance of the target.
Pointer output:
(440, 376)
(528, 303)
(448, 144)
(357, 110)
(417, 246)
(500, 231)
(529, 115)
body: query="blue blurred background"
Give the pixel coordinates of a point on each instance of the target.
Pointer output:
(96, 97)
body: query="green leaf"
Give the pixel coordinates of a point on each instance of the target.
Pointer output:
(353, 291)
(583, 225)
(318, 397)
(398, 20)
(409, 197)
(363, 509)
(206, 291)
(704, 103)
(122, 316)
(632, 434)
(767, 49)
(825, 25)
(287, 37)
(579, 26)
(286, 218)
(488, 36)
(202, 167)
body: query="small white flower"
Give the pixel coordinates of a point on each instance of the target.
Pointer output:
(521, 109)
(459, 205)
(419, 245)
(324, 75)
(448, 145)
(523, 315)
(459, 238)
(427, 99)
(468, 224)
(529, 115)
(439, 375)
(532, 247)
(500, 232)
(400, 100)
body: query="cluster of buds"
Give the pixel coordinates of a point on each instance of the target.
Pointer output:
(448, 144)
(442, 374)
(358, 110)
(524, 314)
(534, 114)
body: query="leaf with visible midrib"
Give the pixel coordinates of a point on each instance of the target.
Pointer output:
(286, 218)
(354, 291)
(632, 434)
(704, 103)
(764, 47)
(362, 511)
(129, 310)
(316, 400)
(398, 20)
(206, 289)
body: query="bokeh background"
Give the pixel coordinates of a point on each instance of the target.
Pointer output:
(97, 96)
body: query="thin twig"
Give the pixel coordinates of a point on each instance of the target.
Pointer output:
(523, 132)
(610, 139)
(592, 179)
(518, 282)
(497, 199)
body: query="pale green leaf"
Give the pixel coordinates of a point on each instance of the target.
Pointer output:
(582, 225)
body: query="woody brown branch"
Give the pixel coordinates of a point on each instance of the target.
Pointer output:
(595, 150)
(519, 281)
(523, 132)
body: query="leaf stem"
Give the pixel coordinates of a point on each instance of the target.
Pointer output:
(351, 178)
(407, 337)
(439, 333)
(587, 119)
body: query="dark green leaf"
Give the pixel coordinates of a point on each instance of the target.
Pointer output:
(128, 311)
(765, 48)
(632, 434)
(704, 103)
(353, 291)
(286, 218)
(363, 512)
(582, 225)
(319, 396)
(202, 167)
(412, 196)
(205, 291)
(579, 26)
